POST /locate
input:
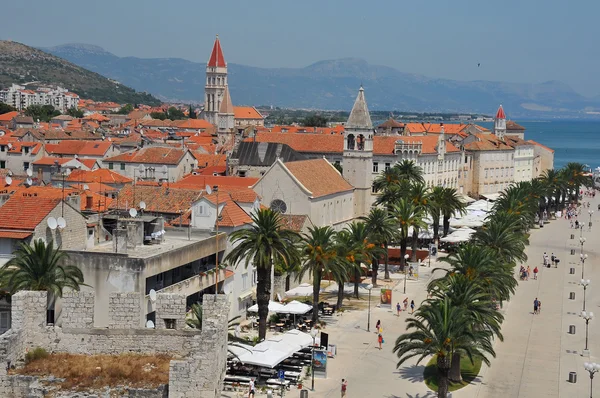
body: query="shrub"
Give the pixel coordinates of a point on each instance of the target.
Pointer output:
(36, 353)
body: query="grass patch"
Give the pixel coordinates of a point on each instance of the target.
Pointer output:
(468, 370)
(97, 371)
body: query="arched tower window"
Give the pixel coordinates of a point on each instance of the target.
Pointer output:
(350, 141)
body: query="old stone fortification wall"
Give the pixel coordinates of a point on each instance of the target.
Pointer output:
(203, 354)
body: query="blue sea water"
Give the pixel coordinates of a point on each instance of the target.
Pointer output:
(572, 141)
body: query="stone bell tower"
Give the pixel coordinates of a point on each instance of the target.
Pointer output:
(216, 82)
(358, 154)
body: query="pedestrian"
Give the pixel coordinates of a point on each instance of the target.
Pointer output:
(535, 306)
(344, 387)
(412, 306)
(528, 272)
(252, 388)
(398, 308)
(539, 306)
(535, 272)
(380, 340)
(405, 302)
(552, 258)
(545, 257)
(378, 326)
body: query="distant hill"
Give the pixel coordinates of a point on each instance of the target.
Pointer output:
(22, 64)
(332, 84)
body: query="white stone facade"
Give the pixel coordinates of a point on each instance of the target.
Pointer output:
(21, 98)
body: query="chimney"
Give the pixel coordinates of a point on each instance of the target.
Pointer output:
(89, 202)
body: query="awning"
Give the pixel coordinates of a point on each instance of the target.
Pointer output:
(295, 308)
(273, 307)
(14, 234)
(246, 295)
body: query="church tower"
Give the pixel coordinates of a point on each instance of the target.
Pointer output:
(226, 120)
(500, 123)
(216, 82)
(358, 154)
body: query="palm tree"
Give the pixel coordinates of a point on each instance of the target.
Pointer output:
(194, 319)
(436, 203)
(347, 262)
(504, 236)
(419, 194)
(365, 251)
(555, 184)
(452, 205)
(381, 228)
(409, 171)
(38, 267)
(407, 214)
(263, 244)
(440, 328)
(575, 174)
(392, 194)
(320, 258)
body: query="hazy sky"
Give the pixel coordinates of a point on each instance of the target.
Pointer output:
(514, 40)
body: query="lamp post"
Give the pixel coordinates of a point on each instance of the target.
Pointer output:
(582, 241)
(587, 317)
(369, 288)
(405, 270)
(592, 368)
(313, 333)
(591, 212)
(582, 257)
(585, 283)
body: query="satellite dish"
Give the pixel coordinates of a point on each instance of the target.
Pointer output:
(208, 189)
(10, 173)
(29, 172)
(8, 180)
(132, 212)
(75, 156)
(86, 187)
(10, 145)
(52, 224)
(61, 222)
(141, 168)
(150, 324)
(152, 295)
(142, 205)
(256, 204)
(29, 181)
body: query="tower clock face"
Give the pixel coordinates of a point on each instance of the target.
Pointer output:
(279, 206)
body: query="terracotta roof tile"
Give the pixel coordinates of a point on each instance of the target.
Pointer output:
(191, 181)
(80, 148)
(293, 222)
(197, 124)
(510, 125)
(159, 199)
(14, 234)
(104, 176)
(8, 116)
(154, 155)
(25, 210)
(232, 215)
(541, 146)
(246, 112)
(318, 176)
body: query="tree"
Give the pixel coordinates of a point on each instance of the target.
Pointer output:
(192, 114)
(347, 263)
(126, 109)
(407, 214)
(409, 171)
(43, 113)
(440, 328)
(195, 319)
(265, 242)
(504, 236)
(452, 205)
(436, 203)
(320, 258)
(339, 168)
(555, 184)
(5, 108)
(175, 114)
(365, 251)
(576, 175)
(158, 115)
(382, 229)
(74, 112)
(38, 267)
(419, 194)
(315, 120)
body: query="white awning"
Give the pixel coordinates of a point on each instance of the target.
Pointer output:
(304, 289)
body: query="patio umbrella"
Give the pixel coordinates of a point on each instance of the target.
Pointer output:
(273, 307)
(295, 307)
(304, 289)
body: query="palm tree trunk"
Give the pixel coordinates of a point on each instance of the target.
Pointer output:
(443, 367)
(436, 230)
(374, 269)
(446, 224)
(402, 254)
(316, 290)
(340, 297)
(386, 274)
(454, 374)
(263, 295)
(356, 280)
(415, 241)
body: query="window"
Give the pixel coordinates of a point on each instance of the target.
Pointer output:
(245, 281)
(25, 165)
(279, 206)
(170, 323)
(110, 166)
(4, 321)
(2, 164)
(254, 278)
(25, 149)
(375, 167)
(387, 166)
(486, 173)
(2, 148)
(122, 166)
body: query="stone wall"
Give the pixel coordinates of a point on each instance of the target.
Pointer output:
(73, 236)
(199, 373)
(124, 311)
(170, 307)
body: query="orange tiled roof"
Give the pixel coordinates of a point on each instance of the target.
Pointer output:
(159, 199)
(196, 124)
(51, 160)
(246, 112)
(541, 146)
(206, 160)
(383, 145)
(200, 181)
(510, 125)
(487, 142)
(104, 176)
(293, 222)
(94, 187)
(232, 215)
(80, 148)
(24, 210)
(97, 117)
(318, 176)
(8, 116)
(154, 155)
(14, 234)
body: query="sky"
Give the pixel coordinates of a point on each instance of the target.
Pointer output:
(525, 41)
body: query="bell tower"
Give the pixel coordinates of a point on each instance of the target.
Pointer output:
(500, 123)
(216, 81)
(358, 154)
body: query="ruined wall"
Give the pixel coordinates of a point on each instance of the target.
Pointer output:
(171, 307)
(124, 311)
(199, 372)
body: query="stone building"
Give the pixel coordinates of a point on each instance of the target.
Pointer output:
(543, 159)
(524, 157)
(515, 129)
(216, 83)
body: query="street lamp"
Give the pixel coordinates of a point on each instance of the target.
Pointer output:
(582, 241)
(313, 333)
(369, 288)
(592, 368)
(405, 270)
(587, 317)
(585, 283)
(590, 224)
(582, 257)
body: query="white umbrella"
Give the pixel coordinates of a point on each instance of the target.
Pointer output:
(297, 337)
(261, 356)
(295, 307)
(273, 307)
(304, 289)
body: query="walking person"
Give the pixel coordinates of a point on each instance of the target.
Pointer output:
(552, 258)
(528, 272)
(378, 328)
(535, 272)
(380, 340)
(405, 302)
(535, 306)
(412, 306)
(398, 308)
(539, 306)
(344, 387)
(252, 388)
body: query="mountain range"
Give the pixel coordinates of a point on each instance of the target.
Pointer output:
(332, 84)
(23, 64)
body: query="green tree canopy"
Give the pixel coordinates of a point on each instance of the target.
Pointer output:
(43, 113)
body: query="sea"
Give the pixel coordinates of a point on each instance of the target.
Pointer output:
(572, 141)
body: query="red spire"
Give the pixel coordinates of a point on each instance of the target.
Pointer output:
(499, 115)
(216, 57)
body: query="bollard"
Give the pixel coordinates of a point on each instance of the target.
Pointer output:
(304, 394)
(571, 329)
(572, 271)
(572, 377)
(572, 252)
(572, 236)
(572, 296)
